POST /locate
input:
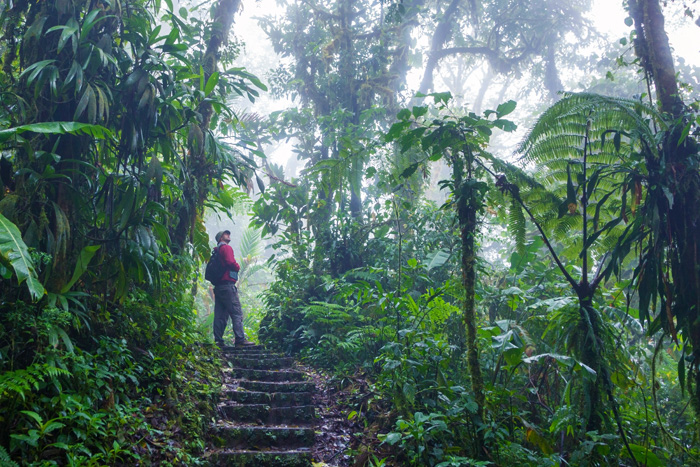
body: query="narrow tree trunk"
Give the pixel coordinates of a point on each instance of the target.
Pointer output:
(468, 224)
(440, 36)
(320, 223)
(350, 102)
(485, 84)
(221, 28)
(591, 351)
(196, 194)
(551, 74)
(591, 355)
(466, 212)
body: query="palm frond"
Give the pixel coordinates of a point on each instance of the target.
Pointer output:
(251, 243)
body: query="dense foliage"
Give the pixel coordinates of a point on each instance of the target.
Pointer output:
(108, 157)
(474, 307)
(534, 318)
(569, 370)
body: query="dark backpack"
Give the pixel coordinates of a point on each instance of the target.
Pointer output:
(215, 268)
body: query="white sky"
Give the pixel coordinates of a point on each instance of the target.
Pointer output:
(683, 34)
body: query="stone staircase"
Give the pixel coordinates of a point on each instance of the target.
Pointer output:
(267, 412)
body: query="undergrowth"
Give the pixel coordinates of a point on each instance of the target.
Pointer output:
(135, 387)
(398, 367)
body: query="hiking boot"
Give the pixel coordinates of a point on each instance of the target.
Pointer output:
(244, 343)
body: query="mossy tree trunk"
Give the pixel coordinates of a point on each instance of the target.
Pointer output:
(195, 189)
(676, 170)
(468, 202)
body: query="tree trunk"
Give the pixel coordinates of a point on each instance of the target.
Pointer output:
(320, 223)
(442, 33)
(485, 84)
(658, 54)
(677, 172)
(199, 167)
(551, 74)
(467, 205)
(591, 355)
(221, 28)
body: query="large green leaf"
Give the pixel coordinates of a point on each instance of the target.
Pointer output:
(505, 108)
(645, 456)
(59, 128)
(211, 83)
(439, 258)
(585, 370)
(81, 266)
(14, 253)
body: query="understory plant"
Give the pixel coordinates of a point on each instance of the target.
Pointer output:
(108, 399)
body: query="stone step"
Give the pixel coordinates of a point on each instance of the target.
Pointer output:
(296, 458)
(247, 348)
(254, 354)
(268, 419)
(272, 386)
(265, 375)
(261, 363)
(266, 414)
(262, 437)
(276, 399)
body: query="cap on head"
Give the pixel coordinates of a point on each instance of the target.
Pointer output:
(221, 234)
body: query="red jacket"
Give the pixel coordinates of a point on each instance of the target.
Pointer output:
(228, 260)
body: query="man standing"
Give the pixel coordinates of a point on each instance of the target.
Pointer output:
(226, 302)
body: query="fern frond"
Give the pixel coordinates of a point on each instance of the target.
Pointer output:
(23, 381)
(363, 274)
(5, 459)
(609, 131)
(253, 268)
(567, 224)
(564, 124)
(516, 225)
(61, 233)
(334, 172)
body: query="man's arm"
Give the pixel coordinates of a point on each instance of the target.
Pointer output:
(228, 259)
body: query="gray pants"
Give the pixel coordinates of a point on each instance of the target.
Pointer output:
(226, 303)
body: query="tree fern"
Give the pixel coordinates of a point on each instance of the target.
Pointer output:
(612, 132)
(588, 149)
